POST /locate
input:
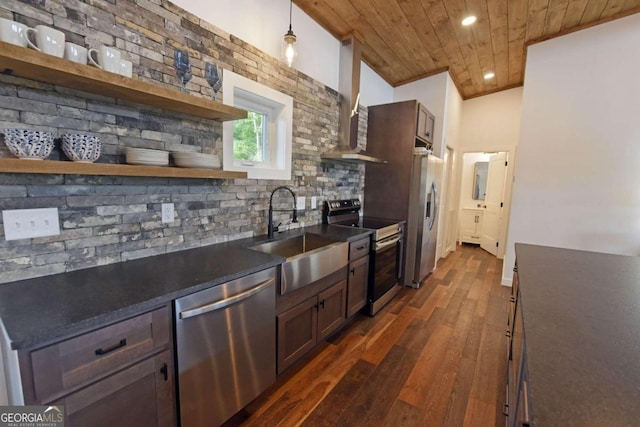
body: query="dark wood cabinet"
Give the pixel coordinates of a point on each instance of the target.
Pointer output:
(331, 309)
(425, 123)
(358, 276)
(301, 327)
(121, 374)
(297, 332)
(138, 396)
(516, 407)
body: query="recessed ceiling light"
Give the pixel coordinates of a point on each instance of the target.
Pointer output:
(469, 20)
(489, 75)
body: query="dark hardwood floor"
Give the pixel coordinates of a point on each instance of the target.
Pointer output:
(435, 356)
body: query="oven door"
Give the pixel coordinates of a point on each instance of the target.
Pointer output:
(384, 266)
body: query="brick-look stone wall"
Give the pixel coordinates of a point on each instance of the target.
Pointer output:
(112, 219)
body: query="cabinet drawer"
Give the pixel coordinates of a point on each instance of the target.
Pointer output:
(67, 364)
(359, 249)
(138, 396)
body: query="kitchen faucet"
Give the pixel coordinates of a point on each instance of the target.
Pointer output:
(270, 227)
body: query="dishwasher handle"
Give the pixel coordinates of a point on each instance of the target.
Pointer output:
(226, 301)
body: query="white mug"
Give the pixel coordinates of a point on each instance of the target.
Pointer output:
(48, 40)
(13, 32)
(126, 68)
(108, 58)
(75, 53)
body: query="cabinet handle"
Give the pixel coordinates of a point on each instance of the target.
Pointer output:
(508, 334)
(102, 351)
(165, 372)
(505, 409)
(512, 299)
(322, 304)
(359, 248)
(353, 271)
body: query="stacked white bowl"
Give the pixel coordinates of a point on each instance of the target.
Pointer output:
(196, 160)
(145, 156)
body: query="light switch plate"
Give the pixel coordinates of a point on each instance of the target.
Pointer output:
(300, 202)
(168, 214)
(29, 223)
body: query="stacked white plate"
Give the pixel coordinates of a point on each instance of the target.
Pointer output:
(144, 156)
(196, 160)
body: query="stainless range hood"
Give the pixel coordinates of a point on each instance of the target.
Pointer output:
(349, 87)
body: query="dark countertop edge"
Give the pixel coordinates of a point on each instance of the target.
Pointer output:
(38, 338)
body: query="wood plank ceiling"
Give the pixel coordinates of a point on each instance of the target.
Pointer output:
(407, 40)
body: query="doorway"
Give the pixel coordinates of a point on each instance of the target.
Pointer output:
(482, 218)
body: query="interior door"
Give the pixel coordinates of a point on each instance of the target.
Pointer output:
(492, 217)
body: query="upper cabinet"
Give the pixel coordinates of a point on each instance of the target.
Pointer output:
(30, 64)
(425, 123)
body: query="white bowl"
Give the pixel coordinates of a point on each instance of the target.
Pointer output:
(28, 143)
(81, 148)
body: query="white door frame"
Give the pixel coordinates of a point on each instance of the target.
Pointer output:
(508, 187)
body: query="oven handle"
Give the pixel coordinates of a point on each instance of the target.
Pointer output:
(386, 244)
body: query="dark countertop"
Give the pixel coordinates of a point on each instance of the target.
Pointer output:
(581, 313)
(40, 310)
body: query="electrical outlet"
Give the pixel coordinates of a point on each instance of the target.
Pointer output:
(314, 202)
(300, 203)
(167, 213)
(29, 223)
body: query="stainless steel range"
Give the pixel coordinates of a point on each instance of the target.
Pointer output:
(386, 248)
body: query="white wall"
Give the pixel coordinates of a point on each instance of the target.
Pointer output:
(451, 137)
(263, 25)
(492, 122)
(578, 162)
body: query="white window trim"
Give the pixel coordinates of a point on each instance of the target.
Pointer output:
(278, 164)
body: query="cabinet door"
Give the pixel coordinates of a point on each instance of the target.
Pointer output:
(357, 285)
(470, 225)
(332, 304)
(141, 395)
(297, 332)
(431, 121)
(421, 122)
(425, 124)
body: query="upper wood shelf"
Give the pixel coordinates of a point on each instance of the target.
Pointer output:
(75, 168)
(31, 64)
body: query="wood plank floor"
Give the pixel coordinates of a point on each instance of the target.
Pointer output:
(435, 356)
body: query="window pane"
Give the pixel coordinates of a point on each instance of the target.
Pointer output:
(249, 137)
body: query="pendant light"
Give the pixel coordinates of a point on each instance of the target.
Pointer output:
(289, 47)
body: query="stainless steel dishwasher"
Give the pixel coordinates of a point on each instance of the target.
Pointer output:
(226, 354)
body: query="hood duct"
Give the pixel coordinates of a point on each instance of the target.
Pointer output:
(349, 89)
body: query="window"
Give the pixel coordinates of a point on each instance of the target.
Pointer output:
(260, 144)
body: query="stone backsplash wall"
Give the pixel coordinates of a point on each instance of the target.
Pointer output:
(112, 219)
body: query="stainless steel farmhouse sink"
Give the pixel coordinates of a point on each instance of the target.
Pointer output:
(310, 257)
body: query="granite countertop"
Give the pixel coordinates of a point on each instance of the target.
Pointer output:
(40, 310)
(581, 315)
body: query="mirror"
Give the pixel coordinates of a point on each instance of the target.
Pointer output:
(480, 180)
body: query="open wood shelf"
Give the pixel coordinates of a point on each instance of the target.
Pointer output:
(31, 64)
(75, 168)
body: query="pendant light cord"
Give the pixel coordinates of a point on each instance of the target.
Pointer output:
(290, 9)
